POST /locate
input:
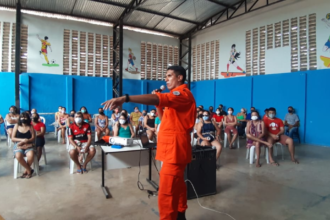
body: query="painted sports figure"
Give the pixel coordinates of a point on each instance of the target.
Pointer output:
(234, 55)
(44, 45)
(326, 20)
(130, 63)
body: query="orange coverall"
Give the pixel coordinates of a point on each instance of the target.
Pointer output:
(174, 149)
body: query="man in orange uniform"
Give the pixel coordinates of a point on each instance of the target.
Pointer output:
(173, 147)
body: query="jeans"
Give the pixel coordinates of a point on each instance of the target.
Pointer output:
(291, 132)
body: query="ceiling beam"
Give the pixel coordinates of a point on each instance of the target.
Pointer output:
(222, 4)
(148, 11)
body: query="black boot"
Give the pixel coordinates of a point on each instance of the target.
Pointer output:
(181, 216)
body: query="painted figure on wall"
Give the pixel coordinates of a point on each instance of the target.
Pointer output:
(326, 47)
(130, 64)
(234, 56)
(45, 44)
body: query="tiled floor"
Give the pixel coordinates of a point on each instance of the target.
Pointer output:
(288, 192)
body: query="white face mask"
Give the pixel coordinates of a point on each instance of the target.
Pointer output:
(254, 118)
(152, 114)
(271, 115)
(230, 112)
(122, 121)
(32, 112)
(217, 112)
(62, 111)
(136, 110)
(78, 120)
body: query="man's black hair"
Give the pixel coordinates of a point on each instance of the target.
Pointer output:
(179, 70)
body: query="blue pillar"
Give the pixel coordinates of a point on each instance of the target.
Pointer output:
(24, 92)
(108, 93)
(69, 93)
(144, 90)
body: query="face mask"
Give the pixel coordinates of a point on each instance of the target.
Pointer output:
(59, 110)
(152, 114)
(211, 110)
(78, 120)
(11, 112)
(122, 121)
(254, 118)
(144, 114)
(205, 118)
(101, 112)
(290, 111)
(200, 116)
(271, 115)
(35, 120)
(62, 111)
(72, 115)
(32, 113)
(217, 112)
(24, 121)
(230, 112)
(242, 110)
(83, 111)
(136, 110)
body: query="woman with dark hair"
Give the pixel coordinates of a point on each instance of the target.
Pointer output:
(126, 113)
(230, 122)
(40, 128)
(70, 119)
(11, 119)
(101, 124)
(23, 136)
(62, 117)
(87, 117)
(123, 128)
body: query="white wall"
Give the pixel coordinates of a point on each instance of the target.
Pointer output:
(277, 60)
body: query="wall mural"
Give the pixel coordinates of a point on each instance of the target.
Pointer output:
(130, 64)
(45, 44)
(234, 56)
(326, 47)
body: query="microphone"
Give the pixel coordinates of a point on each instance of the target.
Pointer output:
(162, 88)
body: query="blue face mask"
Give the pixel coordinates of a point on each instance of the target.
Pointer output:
(83, 111)
(205, 118)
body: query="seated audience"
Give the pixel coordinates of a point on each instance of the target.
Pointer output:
(141, 119)
(70, 119)
(1, 119)
(230, 123)
(11, 119)
(86, 116)
(211, 111)
(218, 120)
(101, 124)
(222, 112)
(201, 107)
(40, 128)
(206, 129)
(80, 139)
(241, 122)
(123, 128)
(149, 124)
(134, 117)
(256, 136)
(275, 128)
(62, 117)
(57, 113)
(23, 136)
(248, 116)
(291, 122)
(115, 115)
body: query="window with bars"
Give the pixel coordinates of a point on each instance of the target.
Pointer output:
(248, 59)
(156, 58)
(194, 63)
(303, 42)
(212, 70)
(270, 37)
(312, 41)
(278, 34)
(199, 62)
(203, 61)
(207, 63)
(7, 47)
(217, 60)
(294, 44)
(87, 54)
(286, 33)
(255, 56)
(262, 50)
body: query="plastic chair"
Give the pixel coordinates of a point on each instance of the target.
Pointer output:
(72, 164)
(43, 120)
(275, 146)
(17, 166)
(9, 142)
(225, 141)
(44, 154)
(250, 154)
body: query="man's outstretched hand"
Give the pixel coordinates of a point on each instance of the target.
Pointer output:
(113, 103)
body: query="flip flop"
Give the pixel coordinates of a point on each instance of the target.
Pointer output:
(24, 175)
(28, 176)
(84, 170)
(80, 171)
(274, 164)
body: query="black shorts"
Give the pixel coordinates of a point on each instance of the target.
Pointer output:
(40, 142)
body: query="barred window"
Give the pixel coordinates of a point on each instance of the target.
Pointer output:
(248, 59)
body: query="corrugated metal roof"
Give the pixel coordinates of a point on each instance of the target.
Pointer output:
(57, 6)
(139, 18)
(8, 3)
(162, 5)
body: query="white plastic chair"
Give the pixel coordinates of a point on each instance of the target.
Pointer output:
(9, 142)
(43, 120)
(225, 141)
(17, 166)
(72, 164)
(59, 136)
(275, 146)
(250, 154)
(44, 154)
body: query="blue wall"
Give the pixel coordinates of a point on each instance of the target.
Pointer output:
(307, 92)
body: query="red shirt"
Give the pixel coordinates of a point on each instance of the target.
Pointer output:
(79, 133)
(173, 145)
(273, 126)
(38, 127)
(218, 118)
